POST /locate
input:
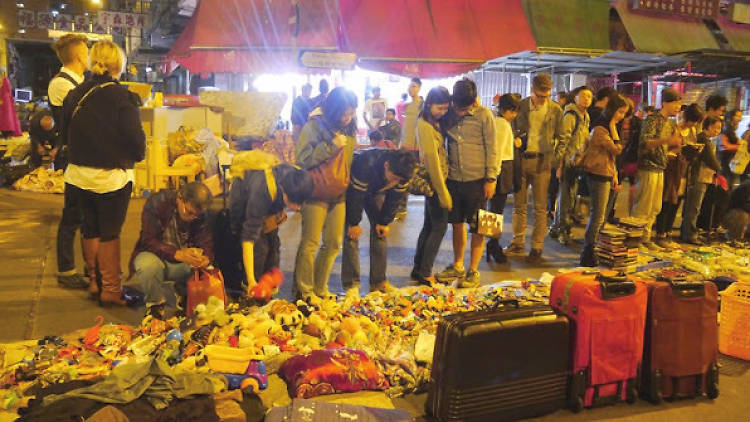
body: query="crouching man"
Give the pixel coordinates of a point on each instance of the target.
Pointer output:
(257, 203)
(174, 240)
(378, 186)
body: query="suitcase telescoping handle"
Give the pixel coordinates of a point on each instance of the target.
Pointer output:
(688, 289)
(614, 286)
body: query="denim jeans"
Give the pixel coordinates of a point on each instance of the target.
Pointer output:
(378, 250)
(599, 193)
(152, 272)
(693, 200)
(311, 271)
(70, 223)
(567, 194)
(433, 230)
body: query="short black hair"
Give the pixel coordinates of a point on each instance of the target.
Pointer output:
(323, 86)
(391, 110)
(693, 113)
(716, 101)
(417, 81)
(710, 121)
(605, 92)
(196, 194)
(615, 103)
(296, 184)
(578, 90)
(464, 93)
(507, 102)
(401, 163)
(375, 135)
(404, 96)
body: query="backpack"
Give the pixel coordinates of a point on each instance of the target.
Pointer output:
(256, 160)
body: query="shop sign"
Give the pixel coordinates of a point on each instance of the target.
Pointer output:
(81, 22)
(98, 28)
(692, 8)
(121, 19)
(64, 22)
(44, 20)
(26, 18)
(328, 60)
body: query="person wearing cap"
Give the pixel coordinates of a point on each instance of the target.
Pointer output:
(378, 185)
(658, 137)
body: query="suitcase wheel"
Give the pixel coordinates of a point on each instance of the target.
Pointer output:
(656, 398)
(713, 392)
(632, 395)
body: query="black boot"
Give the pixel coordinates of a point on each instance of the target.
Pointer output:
(494, 251)
(588, 258)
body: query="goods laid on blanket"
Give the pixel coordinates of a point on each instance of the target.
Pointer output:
(386, 340)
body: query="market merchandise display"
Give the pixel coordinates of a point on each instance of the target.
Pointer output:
(387, 336)
(41, 180)
(617, 245)
(710, 261)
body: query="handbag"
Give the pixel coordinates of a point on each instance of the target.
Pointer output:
(420, 182)
(206, 282)
(741, 159)
(489, 224)
(331, 177)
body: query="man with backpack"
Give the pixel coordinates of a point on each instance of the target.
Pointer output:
(378, 185)
(73, 52)
(569, 156)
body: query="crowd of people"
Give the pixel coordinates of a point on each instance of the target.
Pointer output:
(464, 157)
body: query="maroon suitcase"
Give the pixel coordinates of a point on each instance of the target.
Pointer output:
(681, 342)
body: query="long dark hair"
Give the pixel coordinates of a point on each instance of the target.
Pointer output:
(335, 105)
(615, 103)
(437, 95)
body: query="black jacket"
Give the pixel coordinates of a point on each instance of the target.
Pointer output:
(37, 134)
(250, 202)
(740, 198)
(368, 178)
(106, 132)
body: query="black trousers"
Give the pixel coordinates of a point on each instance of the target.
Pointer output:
(266, 253)
(665, 220)
(103, 213)
(70, 223)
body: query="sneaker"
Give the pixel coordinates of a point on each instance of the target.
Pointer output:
(400, 216)
(553, 233)
(535, 257)
(652, 246)
(385, 287)
(73, 281)
(470, 281)
(449, 274)
(156, 311)
(694, 242)
(515, 250)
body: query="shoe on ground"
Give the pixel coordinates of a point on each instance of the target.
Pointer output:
(414, 275)
(664, 244)
(651, 246)
(694, 242)
(352, 294)
(515, 250)
(553, 233)
(564, 238)
(156, 311)
(449, 274)
(534, 257)
(328, 296)
(385, 287)
(470, 281)
(73, 281)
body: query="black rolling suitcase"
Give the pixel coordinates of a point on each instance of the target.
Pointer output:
(227, 248)
(499, 365)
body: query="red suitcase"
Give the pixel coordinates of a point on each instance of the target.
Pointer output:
(681, 343)
(607, 314)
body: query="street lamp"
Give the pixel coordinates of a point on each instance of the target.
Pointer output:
(96, 2)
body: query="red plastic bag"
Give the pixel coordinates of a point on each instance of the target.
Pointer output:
(204, 284)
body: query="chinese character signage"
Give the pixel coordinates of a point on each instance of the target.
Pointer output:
(26, 19)
(44, 20)
(81, 22)
(121, 19)
(693, 8)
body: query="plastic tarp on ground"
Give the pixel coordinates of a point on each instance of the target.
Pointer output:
(254, 36)
(664, 34)
(432, 38)
(569, 24)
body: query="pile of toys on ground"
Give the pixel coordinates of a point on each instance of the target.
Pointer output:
(383, 341)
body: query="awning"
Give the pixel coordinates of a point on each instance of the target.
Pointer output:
(738, 34)
(254, 35)
(430, 38)
(664, 34)
(569, 25)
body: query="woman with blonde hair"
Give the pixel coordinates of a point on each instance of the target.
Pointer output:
(102, 127)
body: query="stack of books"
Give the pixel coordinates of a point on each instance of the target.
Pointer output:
(617, 247)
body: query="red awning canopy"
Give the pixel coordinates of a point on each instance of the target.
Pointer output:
(431, 38)
(254, 36)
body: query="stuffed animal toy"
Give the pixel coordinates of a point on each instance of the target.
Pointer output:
(285, 313)
(211, 311)
(267, 286)
(315, 324)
